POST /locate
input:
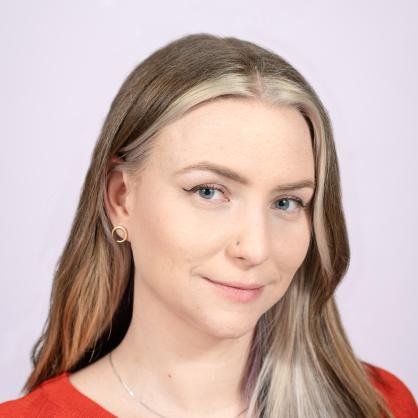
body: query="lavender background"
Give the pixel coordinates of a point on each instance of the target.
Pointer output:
(63, 62)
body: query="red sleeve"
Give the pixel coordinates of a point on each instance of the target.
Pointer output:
(55, 397)
(399, 398)
(35, 405)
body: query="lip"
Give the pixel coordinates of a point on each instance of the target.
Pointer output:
(236, 294)
(243, 286)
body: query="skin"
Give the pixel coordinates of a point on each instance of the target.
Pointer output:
(186, 346)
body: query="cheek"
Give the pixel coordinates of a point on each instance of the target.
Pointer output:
(290, 246)
(161, 245)
(289, 249)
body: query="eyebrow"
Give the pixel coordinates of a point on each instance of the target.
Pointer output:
(238, 178)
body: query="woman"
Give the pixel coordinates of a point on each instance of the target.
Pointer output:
(198, 279)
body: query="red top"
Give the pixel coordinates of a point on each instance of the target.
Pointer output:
(57, 397)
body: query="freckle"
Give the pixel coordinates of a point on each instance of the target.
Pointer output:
(169, 375)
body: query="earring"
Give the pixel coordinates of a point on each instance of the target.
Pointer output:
(125, 232)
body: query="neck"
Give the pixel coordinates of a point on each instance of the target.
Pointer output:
(178, 369)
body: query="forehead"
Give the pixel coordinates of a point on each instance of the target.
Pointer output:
(243, 134)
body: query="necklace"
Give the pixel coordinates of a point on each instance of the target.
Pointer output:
(138, 400)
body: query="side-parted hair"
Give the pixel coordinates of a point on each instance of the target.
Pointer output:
(301, 363)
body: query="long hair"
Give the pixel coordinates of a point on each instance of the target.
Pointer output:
(301, 363)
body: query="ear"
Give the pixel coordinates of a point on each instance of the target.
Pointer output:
(116, 195)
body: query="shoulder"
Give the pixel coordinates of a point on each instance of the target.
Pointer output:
(37, 403)
(398, 396)
(52, 398)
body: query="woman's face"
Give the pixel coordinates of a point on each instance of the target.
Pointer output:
(179, 236)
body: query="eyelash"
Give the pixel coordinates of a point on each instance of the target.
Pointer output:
(299, 201)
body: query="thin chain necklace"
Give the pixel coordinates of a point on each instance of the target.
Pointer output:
(138, 400)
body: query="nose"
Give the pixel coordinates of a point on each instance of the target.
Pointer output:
(253, 240)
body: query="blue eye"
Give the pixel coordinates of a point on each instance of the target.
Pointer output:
(209, 189)
(287, 201)
(206, 188)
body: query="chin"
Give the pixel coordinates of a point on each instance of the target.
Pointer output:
(235, 327)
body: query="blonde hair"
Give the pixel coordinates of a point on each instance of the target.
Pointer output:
(301, 363)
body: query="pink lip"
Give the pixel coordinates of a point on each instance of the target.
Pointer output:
(236, 293)
(237, 285)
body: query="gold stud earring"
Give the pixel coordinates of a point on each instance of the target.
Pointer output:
(125, 232)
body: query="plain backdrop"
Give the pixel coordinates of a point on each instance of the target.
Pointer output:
(63, 62)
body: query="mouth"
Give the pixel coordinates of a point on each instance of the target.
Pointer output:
(236, 285)
(238, 294)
